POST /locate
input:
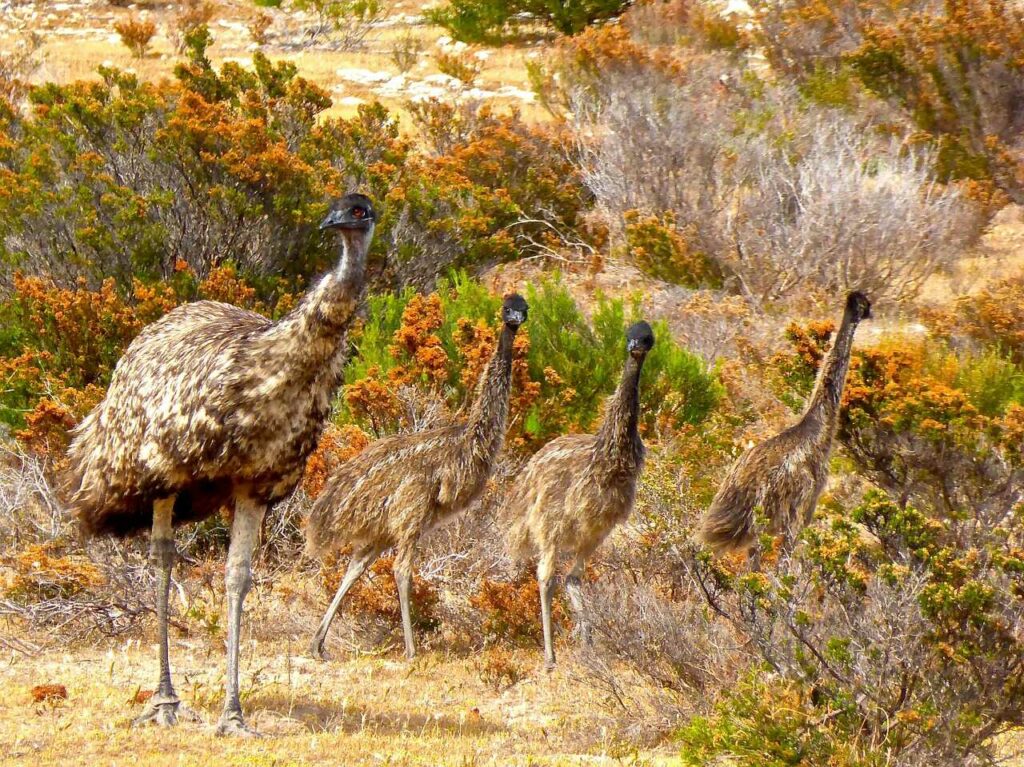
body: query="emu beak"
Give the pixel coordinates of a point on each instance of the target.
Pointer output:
(632, 345)
(516, 317)
(337, 219)
(333, 219)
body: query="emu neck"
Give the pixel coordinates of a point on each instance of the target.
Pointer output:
(485, 427)
(823, 408)
(314, 332)
(618, 439)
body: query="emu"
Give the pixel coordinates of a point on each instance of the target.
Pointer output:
(579, 486)
(784, 475)
(402, 486)
(214, 406)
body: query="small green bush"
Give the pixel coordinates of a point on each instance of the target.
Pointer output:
(488, 21)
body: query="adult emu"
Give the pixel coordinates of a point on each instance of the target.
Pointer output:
(402, 486)
(783, 476)
(214, 406)
(579, 486)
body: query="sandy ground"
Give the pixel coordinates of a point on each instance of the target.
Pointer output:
(359, 711)
(78, 36)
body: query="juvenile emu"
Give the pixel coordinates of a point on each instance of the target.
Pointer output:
(578, 487)
(783, 476)
(402, 486)
(215, 406)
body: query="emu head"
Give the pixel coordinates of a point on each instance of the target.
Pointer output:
(639, 339)
(353, 217)
(858, 307)
(514, 310)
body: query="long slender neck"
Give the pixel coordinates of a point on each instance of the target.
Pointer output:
(618, 439)
(485, 426)
(823, 407)
(315, 329)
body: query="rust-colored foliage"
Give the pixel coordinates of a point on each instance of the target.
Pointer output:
(45, 571)
(992, 316)
(337, 445)
(661, 249)
(375, 595)
(511, 611)
(416, 343)
(499, 669)
(136, 34)
(49, 693)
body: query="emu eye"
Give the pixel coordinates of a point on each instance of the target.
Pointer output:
(358, 212)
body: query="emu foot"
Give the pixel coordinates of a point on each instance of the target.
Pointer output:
(317, 651)
(165, 712)
(232, 724)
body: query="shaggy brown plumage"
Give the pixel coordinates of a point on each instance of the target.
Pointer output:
(782, 477)
(400, 487)
(578, 487)
(213, 406)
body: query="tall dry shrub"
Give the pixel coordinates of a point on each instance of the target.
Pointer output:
(784, 197)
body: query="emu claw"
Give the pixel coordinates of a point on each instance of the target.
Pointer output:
(233, 724)
(164, 711)
(318, 652)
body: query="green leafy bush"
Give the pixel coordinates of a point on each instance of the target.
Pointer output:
(482, 21)
(569, 365)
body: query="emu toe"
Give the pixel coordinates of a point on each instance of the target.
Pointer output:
(165, 711)
(317, 651)
(232, 724)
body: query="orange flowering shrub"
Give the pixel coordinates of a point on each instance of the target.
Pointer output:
(662, 250)
(590, 59)
(45, 571)
(954, 68)
(994, 316)
(919, 420)
(337, 445)
(376, 596)
(511, 611)
(136, 35)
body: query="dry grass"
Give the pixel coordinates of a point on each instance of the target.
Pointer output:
(438, 710)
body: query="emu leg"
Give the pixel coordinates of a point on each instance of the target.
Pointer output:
(162, 708)
(545, 579)
(403, 580)
(361, 559)
(574, 589)
(245, 531)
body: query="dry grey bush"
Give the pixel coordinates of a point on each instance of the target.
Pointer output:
(29, 510)
(656, 143)
(31, 515)
(111, 586)
(655, 654)
(846, 212)
(786, 198)
(17, 66)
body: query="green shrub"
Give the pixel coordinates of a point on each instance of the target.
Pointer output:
(570, 365)
(483, 21)
(660, 249)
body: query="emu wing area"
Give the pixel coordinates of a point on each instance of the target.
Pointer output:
(389, 492)
(189, 411)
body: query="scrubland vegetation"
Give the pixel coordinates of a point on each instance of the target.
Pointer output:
(754, 167)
